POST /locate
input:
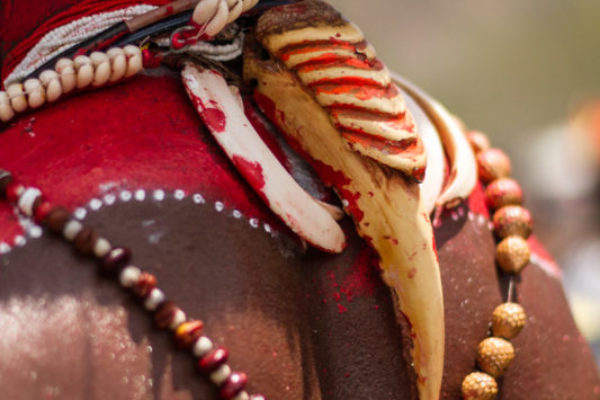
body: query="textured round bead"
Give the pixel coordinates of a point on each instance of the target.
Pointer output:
(202, 346)
(503, 192)
(16, 94)
(213, 360)
(118, 63)
(51, 81)
(85, 71)
(102, 68)
(235, 383)
(36, 94)
(479, 386)
(168, 315)
(117, 258)
(508, 320)
(188, 333)
(493, 164)
(5, 179)
(6, 110)
(57, 219)
(494, 355)
(85, 240)
(512, 254)
(68, 77)
(512, 221)
(479, 141)
(144, 285)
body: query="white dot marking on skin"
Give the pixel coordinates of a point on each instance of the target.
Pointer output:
(159, 195)
(254, 222)
(95, 204)
(219, 206)
(125, 195)
(471, 216)
(198, 199)
(80, 213)
(110, 199)
(4, 248)
(140, 195)
(35, 232)
(480, 219)
(179, 194)
(237, 214)
(268, 228)
(20, 240)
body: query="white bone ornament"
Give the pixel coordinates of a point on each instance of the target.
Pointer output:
(225, 119)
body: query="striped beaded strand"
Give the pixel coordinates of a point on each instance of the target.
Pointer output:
(95, 70)
(512, 227)
(113, 261)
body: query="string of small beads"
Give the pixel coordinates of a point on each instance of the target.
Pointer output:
(113, 262)
(512, 226)
(95, 70)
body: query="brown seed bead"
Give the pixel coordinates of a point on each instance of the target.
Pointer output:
(233, 385)
(5, 179)
(57, 219)
(512, 254)
(508, 319)
(146, 282)
(479, 141)
(85, 240)
(116, 259)
(213, 360)
(166, 315)
(479, 386)
(494, 355)
(493, 164)
(503, 192)
(512, 221)
(187, 333)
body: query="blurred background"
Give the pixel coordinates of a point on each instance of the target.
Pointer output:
(528, 75)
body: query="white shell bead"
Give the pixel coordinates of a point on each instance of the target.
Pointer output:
(85, 71)
(17, 97)
(155, 298)
(202, 346)
(27, 199)
(36, 95)
(101, 247)
(50, 80)
(118, 63)
(243, 395)
(72, 228)
(129, 276)
(221, 374)
(178, 319)
(134, 60)
(6, 111)
(68, 77)
(102, 67)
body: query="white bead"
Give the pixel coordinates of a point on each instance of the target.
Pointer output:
(72, 228)
(50, 80)
(102, 68)
(155, 298)
(129, 276)
(202, 346)
(68, 77)
(101, 247)
(118, 63)
(178, 319)
(134, 60)
(221, 374)
(27, 199)
(243, 395)
(85, 71)
(36, 95)
(17, 97)
(6, 111)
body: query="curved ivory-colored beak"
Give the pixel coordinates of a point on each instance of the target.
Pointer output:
(225, 119)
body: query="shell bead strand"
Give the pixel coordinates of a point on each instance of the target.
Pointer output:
(187, 333)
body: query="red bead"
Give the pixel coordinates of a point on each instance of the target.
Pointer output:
(14, 191)
(233, 385)
(187, 333)
(213, 360)
(115, 260)
(503, 192)
(57, 218)
(145, 284)
(493, 164)
(166, 314)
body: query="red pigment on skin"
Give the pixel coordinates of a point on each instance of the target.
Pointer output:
(214, 118)
(252, 171)
(341, 309)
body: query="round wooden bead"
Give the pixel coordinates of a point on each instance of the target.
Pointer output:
(494, 355)
(188, 333)
(479, 386)
(508, 320)
(36, 94)
(85, 240)
(116, 259)
(478, 140)
(493, 164)
(503, 192)
(512, 254)
(16, 94)
(5, 179)
(168, 315)
(51, 81)
(512, 221)
(234, 384)
(85, 71)
(102, 68)
(134, 60)
(213, 360)
(146, 282)
(118, 63)
(57, 219)
(65, 67)
(6, 110)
